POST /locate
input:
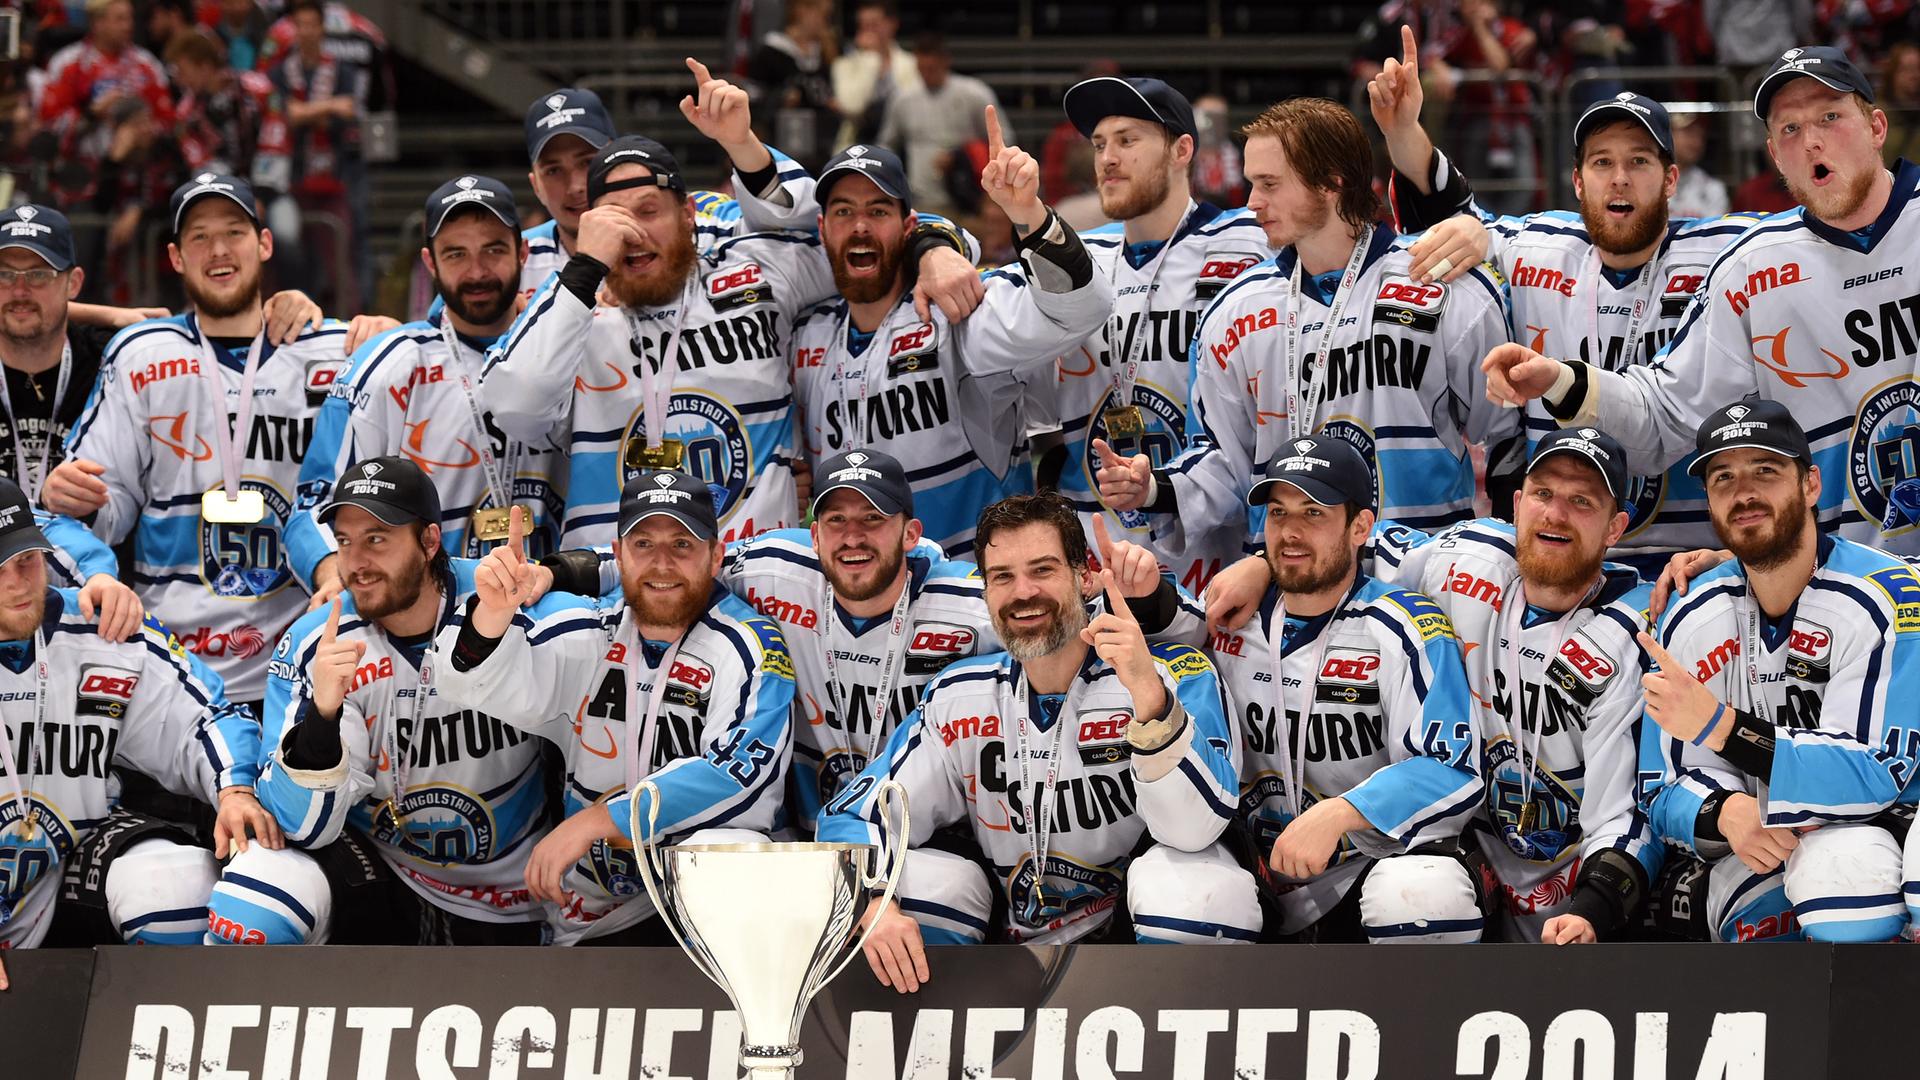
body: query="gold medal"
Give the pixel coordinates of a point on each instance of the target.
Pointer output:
(1125, 422)
(668, 455)
(1529, 816)
(246, 508)
(393, 814)
(492, 523)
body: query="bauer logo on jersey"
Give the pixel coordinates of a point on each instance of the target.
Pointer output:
(738, 288)
(105, 691)
(1403, 302)
(1217, 274)
(244, 560)
(1885, 449)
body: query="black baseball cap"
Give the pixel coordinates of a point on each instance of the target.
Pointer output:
(209, 185)
(1593, 446)
(878, 477)
(1093, 100)
(19, 532)
(567, 111)
(1755, 423)
(41, 230)
(1823, 62)
(683, 498)
(876, 163)
(633, 150)
(1327, 469)
(482, 191)
(1626, 105)
(393, 489)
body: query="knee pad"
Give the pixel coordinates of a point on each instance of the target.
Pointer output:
(1192, 897)
(1745, 906)
(157, 892)
(1420, 898)
(1844, 883)
(948, 895)
(270, 898)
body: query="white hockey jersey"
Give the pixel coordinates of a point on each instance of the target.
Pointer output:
(1837, 677)
(967, 757)
(579, 376)
(1157, 303)
(778, 573)
(1390, 730)
(1402, 384)
(414, 392)
(945, 400)
(137, 704)
(719, 750)
(1824, 321)
(1580, 706)
(1563, 303)
(470, 790)
(154, 422)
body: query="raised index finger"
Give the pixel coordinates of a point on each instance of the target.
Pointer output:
(1102, 541)
(1116, 601)
(1660, 655)
(333, 622)
(1409, 50)
(702, 76)
(517, 532)
(995, 141)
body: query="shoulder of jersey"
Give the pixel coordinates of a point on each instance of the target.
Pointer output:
(1109, 237)
(162, 332)
(751, 247)
(1892, 577)
(308, 626)
(776, 550)
(1627, 601)
(542, 238)
(1398, 260)
(327, 330)
(974, 674)
(1757, 236)
(716, 205)
(1415, 609)
(764, 634)
(1719, 582)
(370, 361)
(1721, 228)
(824, 315)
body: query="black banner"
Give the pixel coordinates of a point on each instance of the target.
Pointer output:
(42, 1013)
(1093, 1012)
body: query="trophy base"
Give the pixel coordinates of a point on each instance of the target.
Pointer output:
(770, 1062)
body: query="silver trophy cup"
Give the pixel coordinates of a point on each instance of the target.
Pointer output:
(771, 924)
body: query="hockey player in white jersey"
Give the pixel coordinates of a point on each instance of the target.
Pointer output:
(870, 613)
(193, 439)
(79, 708)
(690, 371)
(415, 393)
(1335, 336)
(1608, 284)
(1167, 257)
(1549, 629)
(944, 398)
(1353, 802)
(411, 818)
(1088, 766)
(1813, 308)
(679, 683)
(1780, 734)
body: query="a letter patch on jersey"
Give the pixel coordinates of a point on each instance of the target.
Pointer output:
(1425, 615)
(1903, 588)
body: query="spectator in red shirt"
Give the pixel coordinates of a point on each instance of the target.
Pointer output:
(322, 97)
(226, 123)
(1493, 121)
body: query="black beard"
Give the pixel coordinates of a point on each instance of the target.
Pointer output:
(207, 306)
(660, 286)
(484, 313)
(867, 290)
(402, 591)
(888, 570)
(1775, 550)
(1316, 577)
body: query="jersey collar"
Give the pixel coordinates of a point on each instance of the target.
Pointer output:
(1906, 176)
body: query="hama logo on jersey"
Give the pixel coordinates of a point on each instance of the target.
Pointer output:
(785, 611)
(162, 370)
(1765, 279)
(1535, 277)
(1473, 587)
(1410, 305)
(1239, 330)
(970, 727)
(1885, 450)
(1716, 659)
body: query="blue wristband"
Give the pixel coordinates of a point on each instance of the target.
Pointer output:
(1720, 711)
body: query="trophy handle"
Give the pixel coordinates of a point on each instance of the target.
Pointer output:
(892, 795)
(651, 867)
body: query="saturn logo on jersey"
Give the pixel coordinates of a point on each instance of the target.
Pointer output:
(716, 446)
(1884, 449)
(172, 432)
(440, 824)
(1770, 352)
(246, 559)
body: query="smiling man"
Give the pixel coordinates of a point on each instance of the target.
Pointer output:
(1608, 283)
(1816, 308)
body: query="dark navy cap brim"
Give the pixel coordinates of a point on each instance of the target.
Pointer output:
(1572, 449)
(1323, 493)
(878, 499)
(180, 216)
(840, 172)
(44, 252)
(1093, 100)
(389, 513)
(701, 530)
(1699, 465)
(1769, 86)
(1613, 112)
(592, 136)
(22, 540)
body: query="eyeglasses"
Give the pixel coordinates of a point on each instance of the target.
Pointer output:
(38, 279)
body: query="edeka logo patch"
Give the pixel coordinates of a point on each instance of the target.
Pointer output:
(1903, 590)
